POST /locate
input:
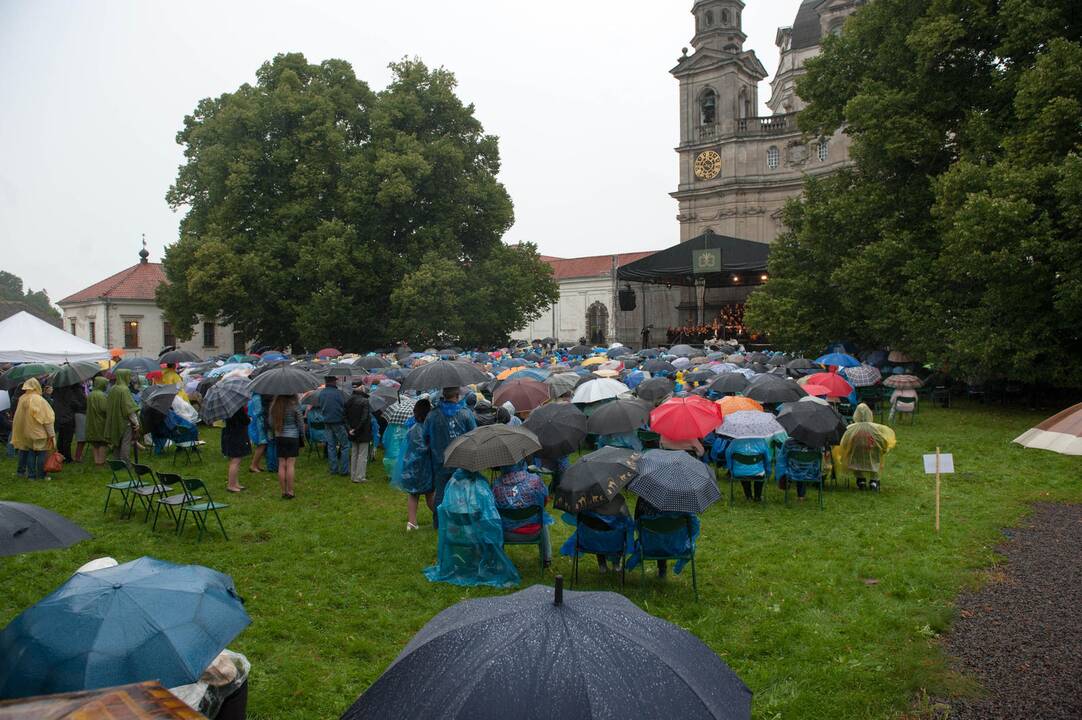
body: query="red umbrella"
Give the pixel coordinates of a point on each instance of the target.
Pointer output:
(329, 353)
(688, 418)
(835, 384)
(816, 390)
(525, 395)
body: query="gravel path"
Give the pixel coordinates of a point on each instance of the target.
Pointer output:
(1020, 635)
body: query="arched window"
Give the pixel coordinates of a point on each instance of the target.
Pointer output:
(725, 18)
(597, 323)
(773, 157)
(743, 105)
(824, 150)
(709, 18)
(708, 107)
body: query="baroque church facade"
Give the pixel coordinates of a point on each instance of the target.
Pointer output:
(738, 168)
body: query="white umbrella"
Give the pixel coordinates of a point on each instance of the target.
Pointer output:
(598, 390)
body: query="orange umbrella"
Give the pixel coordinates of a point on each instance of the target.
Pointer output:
(736, 403)
(116, 352)
(509, 372)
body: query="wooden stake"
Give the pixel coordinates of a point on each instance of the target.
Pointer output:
(937, 485)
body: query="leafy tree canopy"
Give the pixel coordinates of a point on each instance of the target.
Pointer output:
(322, 213)
(11, 289)
(956, 234)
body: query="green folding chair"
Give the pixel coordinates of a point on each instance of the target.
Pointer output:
(746, 460)
(905, 406)
(648, 526)
(535, 513)
(199, 507)
(120, 470)
(807, 456)
(170, 502)
(148, 489)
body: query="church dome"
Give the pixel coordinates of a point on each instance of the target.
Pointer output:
(807, 31)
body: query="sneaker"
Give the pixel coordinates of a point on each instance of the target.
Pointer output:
(411, 527)
(362, 480)
(875, 485)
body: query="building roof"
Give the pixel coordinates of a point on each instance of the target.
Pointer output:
(9, 308)
(139, 282)
(806, 28)
(594, 266)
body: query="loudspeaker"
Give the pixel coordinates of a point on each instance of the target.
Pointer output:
(627, 300)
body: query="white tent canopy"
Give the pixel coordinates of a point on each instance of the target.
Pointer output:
(25, 338)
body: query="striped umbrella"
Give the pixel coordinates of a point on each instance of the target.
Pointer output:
(225, 397)
(903, 382)
(491, 446)
(400, 412)
(673, 481)
(1061, 433)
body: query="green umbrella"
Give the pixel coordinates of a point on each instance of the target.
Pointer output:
(74, 373)
(22, 373)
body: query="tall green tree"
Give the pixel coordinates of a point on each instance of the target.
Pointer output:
(11, 288)
(310, 199)
(955, 235)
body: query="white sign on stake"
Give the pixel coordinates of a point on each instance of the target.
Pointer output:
(946, 464)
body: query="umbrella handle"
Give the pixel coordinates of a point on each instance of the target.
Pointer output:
(559, 600)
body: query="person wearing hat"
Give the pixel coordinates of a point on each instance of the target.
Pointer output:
(358, 415)
(332, 405)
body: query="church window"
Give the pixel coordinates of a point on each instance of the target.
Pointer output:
(824, 151)
(773, 157)
(725, 18)
(709, 18)
(708, 106)
(743, 106)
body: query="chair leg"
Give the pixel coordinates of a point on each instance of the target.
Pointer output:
(219, 518)
(575, 569)
(694, 578)
(107, 496)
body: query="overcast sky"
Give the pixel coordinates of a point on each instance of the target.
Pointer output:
(94, 91)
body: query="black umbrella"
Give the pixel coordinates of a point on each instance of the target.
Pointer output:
(444, 374)
(595, 479)
(655, 389)
(673, 481)
(159, 397)
(178, 356)
(619, 416)
(618, 351)
(74, 373)
(727, 383)
(562, 383)
(649, 353)
(491, 446)
(560, 427)
(812, 424)
(682, 351)
(544, 653)
(655, 366)
(774, 389)
(699, 376)
(26, 528)
(284, 381)
(371, 362)
(383, 396)
(777, 361)
(580, 350)
(138, 365)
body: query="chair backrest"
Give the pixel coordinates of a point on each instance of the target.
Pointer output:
(664, 525)
(594, 522)
(194, 485)
(143, 471)
(520, 514)
(746, 459)
(905, 404)
(168, 479)
(117, 465)
(806, 456)
(120, 469)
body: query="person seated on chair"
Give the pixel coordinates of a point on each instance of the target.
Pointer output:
(616, 516)
(865, 446)
(628, 441)
(908, 395)
(693, 446)
(725, 451)
(674, 544)
(791, 470)
(517, 488)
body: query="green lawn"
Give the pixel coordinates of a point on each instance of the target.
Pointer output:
(334, 585)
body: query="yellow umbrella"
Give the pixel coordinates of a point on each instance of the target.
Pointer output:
(595, 361)
(509, 372)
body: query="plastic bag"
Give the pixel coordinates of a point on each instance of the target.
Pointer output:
(394, 438)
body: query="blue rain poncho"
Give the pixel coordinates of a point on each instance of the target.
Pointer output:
(413, 469)
(446, 422)
(799, 470)
(671, 544)
(724, 449)
(628, 441)
(394, 444)
(613, 544)
(257, 428)
(471, 536)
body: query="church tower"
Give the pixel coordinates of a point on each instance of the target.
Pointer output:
(719, 97)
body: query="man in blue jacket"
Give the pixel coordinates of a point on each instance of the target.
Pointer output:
(448, 420)
(332, 404)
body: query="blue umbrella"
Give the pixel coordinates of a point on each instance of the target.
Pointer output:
(838, 359)
(143, 620)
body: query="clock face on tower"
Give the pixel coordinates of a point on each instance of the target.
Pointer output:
(707, 165)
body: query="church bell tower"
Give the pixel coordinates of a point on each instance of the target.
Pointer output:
(718, 25)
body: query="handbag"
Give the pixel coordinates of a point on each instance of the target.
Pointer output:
(54, 463)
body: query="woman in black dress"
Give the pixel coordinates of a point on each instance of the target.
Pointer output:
(236, 446)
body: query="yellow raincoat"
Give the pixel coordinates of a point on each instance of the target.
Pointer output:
(866, 443)
(171, 377)
(32, 428)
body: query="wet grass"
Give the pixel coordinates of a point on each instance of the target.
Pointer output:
(832, 614)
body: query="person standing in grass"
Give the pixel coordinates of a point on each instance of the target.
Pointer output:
(864, 447)
(413, 470)
(257, 436)
(236, 447)
(449, 419)
(359, 424)
(96, 408)
(32, 431)
(332, 405)
(287, 424)
(121, 416)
